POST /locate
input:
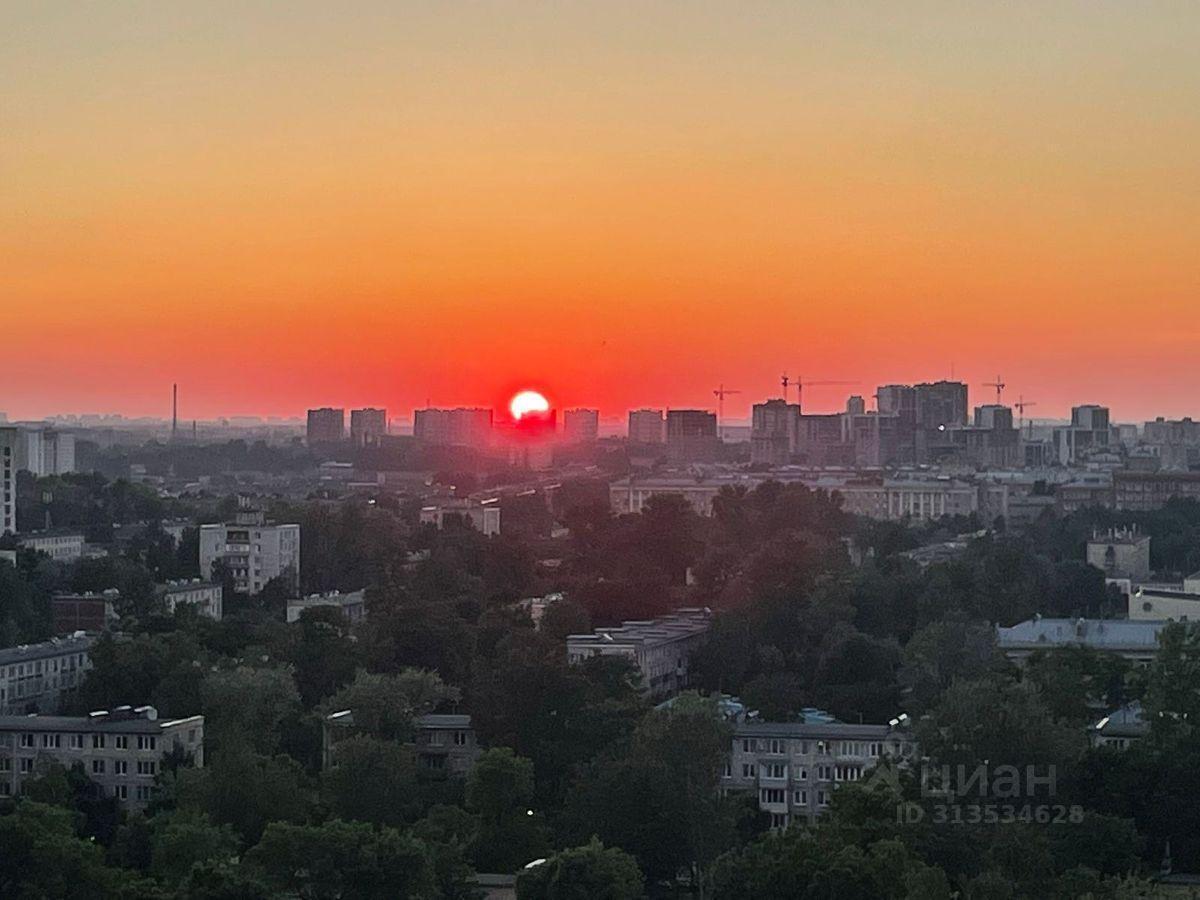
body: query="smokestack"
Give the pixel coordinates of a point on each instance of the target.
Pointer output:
(174, 410)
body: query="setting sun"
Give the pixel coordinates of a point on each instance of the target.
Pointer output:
(527, 402)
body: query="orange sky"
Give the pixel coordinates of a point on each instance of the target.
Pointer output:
(292, 205)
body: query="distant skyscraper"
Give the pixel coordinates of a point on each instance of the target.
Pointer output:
(941, 403)
(8, 480)
(367, 426)
(326, 426)
(774, 431)
(646, 426)
(462, 427)
(692, 434)
(581, 426)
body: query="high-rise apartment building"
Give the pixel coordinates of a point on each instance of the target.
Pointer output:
(581, 426)
(461, 427)
(8, 480)
(692, 434)
(774, 431)
(646, 426)
(941, 404)
(326, 426)
(367, 426)
(44, 451)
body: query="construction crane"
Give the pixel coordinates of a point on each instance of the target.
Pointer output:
(801, 384)
(999, 385)
(1020, 408)
(721, 393)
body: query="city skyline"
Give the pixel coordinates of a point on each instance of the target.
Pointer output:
(393, 203)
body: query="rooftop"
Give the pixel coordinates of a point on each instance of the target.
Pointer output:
(122, 720)
(1101, 634)
(76, 643)
(683, 623)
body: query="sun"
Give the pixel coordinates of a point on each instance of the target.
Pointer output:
(527, 402)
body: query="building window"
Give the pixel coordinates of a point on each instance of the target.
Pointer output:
(122, 792)
(147, 767)
(27, 740)
(97, 767)
(26, 765)
(120, 767)
(747, 770)
(97, 742)
(147, 742)
(122, 741)
(779, 820)
(747, 745)
(822, 798)
(75, 741)
(800, 798)
(772, 795)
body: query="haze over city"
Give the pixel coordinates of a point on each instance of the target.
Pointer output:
(620, 204)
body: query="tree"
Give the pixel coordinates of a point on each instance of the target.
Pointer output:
(583, 873)
(41, 856)
(956, 647)
(500, 793)
(182, 839)
(385, 705)
(1172, 702)
(247, 706)
(373, 781)
(323, 653)
(343, 859)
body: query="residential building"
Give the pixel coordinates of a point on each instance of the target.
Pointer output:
(8, 481)
(1136, 641)
(1088, 432)
(940, 404)
(1121, 553)
(252, 550)
(692, 435)
(794, 767)
(368, 426)
(40, 677)
(774, 432)
(646, 426)
(442, 742)
(120, 750)
(42, 450)
(326, 426)
(660, 648)
(206, 596)
(61, 544)
(353, 605)
(461, 427)
(581, 426)
(1121, 728)
(483, 515)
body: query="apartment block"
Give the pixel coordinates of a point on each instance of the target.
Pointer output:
(646, 426)
(325, 426)
(8, 481)
(120, 750)
(206, 596)
(794, 768)
(581, 426)
(660, 648)
(368, 426)
(39, 678)
(353, 605)
(461, 427)
(61, 545)
(442, 742)
(253, 551)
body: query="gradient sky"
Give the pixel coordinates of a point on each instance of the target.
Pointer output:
(296, 204)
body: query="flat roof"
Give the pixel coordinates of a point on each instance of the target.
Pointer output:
(45, 649)
(1102, 634)
(817, 730)
(131, 725)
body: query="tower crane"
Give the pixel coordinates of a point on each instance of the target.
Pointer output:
(801, 384)
(1020, 408)
(721, 393)
(999, 385)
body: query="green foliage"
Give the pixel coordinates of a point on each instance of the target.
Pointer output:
(182, 839)
(590, 872)
(245, 705)
(500, 794)
(343, 860)
(385, 705)
(374, 781)
(41, 856)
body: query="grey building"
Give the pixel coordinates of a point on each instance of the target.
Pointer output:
(368, 426)
(120, 750)
(774, 432)
(660, 648)
(794, 767)
(1136, 641)
(38, 678)
(325, 426)
(442, 742)
(253, 550)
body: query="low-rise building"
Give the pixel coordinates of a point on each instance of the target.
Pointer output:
(1147, 491)
(88, 612)
(1136, 641)
(1177, 602)
(442, 742)
(63, 545)
(1121, 553)
(38, 678)
(794, 767)
(206, 596)
(121, 750)
(1121, 728)
(353, 605)
(912, 499)
(660, 648)
(482, 515)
